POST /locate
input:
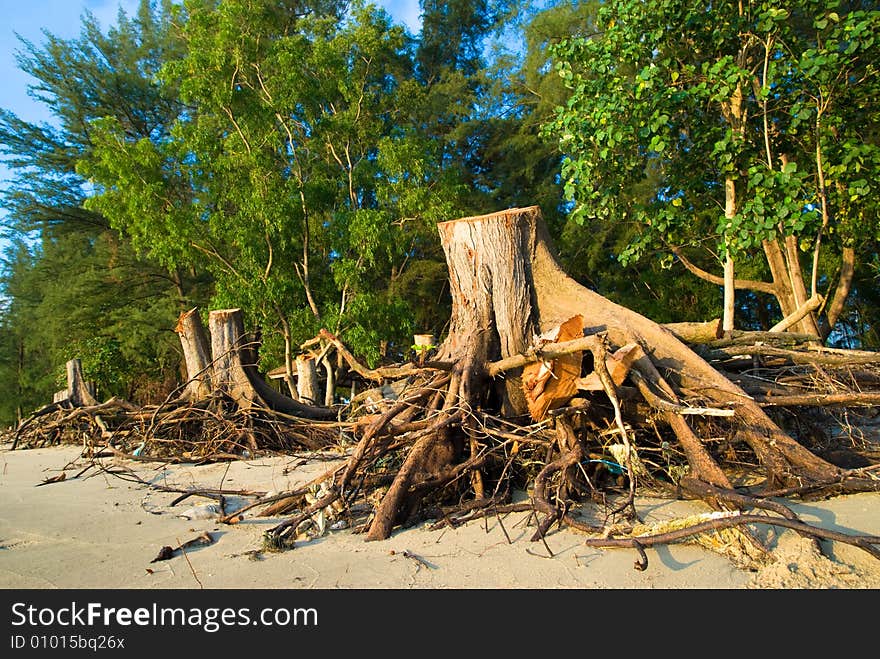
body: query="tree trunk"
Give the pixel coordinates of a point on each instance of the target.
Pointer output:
(78, 391)
(196, 355)
(330, 388)
(288, 357)
(844, 284)
(493, 315)
(788, 286)
(727, 324)
(509, 297)
(308, 388)
(235, 371)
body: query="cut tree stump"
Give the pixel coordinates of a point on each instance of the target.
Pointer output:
(196, 355)
(79, 392)
(506, 401)
(235, 372)
(308, 386)
(508, 287)
(509, 294)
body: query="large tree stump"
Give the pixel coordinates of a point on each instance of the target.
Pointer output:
(492, 302)
(508, 288)
(308, 387)
(509, 298)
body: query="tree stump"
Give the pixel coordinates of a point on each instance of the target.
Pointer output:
(196, 355)
(510, 297)
(308, 387)
(79, 393)
(235, 372)
(508, 288)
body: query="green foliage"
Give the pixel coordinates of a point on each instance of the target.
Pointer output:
(293, 159)
(68, 278)
(714, 94)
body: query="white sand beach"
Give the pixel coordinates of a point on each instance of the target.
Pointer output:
(99, 530)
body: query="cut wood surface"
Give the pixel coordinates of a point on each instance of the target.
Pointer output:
(618, 365)
(552, 383)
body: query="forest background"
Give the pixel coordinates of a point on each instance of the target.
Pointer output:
(293, 159)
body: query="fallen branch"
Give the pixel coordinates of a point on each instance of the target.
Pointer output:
(545, 352)
(806, 308)
(864, 542)
(383, 372)
(848, 399)
(813, 356)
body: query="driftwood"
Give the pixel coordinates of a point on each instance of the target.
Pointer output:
(696, 332)
(793, 318)
(540, 385)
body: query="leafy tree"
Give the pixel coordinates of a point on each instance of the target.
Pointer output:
(70, 280)
(750, 125)
(25, 369)
(284, 176)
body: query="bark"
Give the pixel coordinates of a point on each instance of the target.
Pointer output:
(493, 315)
(729, 295)
(729, 279)
(79, 393)
(235, 372)
(551, 383)
(788, 284)
(808, 307)
(696, 332)
(844, 284)
(808, 324)
(288, 358)
(196, 355)
(330, 388)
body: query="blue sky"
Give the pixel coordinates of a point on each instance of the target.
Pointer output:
(28, 19)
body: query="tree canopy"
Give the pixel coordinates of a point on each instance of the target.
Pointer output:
(750, 132)
(293, 159)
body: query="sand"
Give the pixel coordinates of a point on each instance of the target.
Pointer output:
(101, 531)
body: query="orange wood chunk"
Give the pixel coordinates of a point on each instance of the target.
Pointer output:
(552, 383)
(618, 364)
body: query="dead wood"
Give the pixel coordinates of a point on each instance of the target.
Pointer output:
(79, 393)
(696, 332)
(167, 552)
(798, 314)
(235, 371)
(815, 356)
(539, 385)
(870, 398)
(864, 542)
(382, 372)
(194, 343)
(741, 338)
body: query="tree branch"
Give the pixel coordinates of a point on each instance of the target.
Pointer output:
(747, 284)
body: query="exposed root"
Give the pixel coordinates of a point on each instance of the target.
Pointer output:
(450, 440)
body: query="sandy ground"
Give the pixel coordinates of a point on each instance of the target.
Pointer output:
(100, 531)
